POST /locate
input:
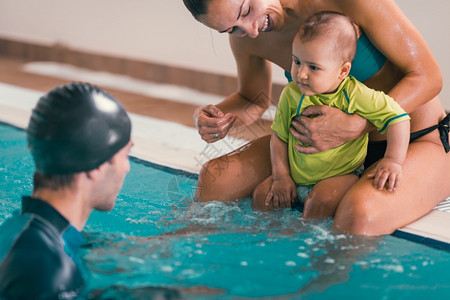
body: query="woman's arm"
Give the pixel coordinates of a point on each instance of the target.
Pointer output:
(254, 76)
(396, 37)
(243, 107)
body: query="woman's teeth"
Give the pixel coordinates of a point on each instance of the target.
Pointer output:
(266, 24)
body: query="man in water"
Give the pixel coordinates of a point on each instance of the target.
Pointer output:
(79, 137)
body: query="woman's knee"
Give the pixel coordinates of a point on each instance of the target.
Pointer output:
(213, 170)
(211, 184)
(260, 194)
(358, 213)
(258, 200)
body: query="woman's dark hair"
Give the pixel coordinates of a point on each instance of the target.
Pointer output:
(196, 7)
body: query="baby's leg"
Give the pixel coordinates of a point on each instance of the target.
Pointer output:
(326, 195)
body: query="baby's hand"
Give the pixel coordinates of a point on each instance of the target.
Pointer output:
(282, 192)
(387, 173)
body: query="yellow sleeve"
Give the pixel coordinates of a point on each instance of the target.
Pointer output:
(282, 120)
(377, 107)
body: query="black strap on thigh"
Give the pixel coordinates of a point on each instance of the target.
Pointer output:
(442, 126)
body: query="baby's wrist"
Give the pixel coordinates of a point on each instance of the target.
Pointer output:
(280, 177)
(394, 160)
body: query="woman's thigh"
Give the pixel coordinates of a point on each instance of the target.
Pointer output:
(234, 176)
(424, 183)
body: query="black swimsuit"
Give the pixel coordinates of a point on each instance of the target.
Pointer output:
(36, 261)
(376, 149)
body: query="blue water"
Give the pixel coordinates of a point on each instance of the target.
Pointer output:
(156, 236)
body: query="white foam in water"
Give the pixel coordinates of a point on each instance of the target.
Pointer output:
(393, 268)
(167, 268)
(330, 260)
(136, 259)
(290, 263)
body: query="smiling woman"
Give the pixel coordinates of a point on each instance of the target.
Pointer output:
(261, 32)
(249, 18)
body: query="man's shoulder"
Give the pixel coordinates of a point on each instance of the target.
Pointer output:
(36, 264)
(10, 229)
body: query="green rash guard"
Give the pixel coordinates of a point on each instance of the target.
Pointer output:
(351, 97)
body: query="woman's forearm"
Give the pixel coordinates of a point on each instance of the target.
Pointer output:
(359, 127)
(246, 110)
(414, 90)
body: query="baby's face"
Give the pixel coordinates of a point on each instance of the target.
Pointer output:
(315, 69)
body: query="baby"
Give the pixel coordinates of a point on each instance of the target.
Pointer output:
(323, 51)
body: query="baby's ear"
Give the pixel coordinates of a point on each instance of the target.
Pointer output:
(345, 70)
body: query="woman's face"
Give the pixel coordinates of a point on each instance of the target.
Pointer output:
(244, 17)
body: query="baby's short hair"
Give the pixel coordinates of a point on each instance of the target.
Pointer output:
(335, 26)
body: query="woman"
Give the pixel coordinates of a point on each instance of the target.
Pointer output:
(261, 31)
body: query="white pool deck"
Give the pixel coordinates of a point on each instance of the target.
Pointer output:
(170, 144)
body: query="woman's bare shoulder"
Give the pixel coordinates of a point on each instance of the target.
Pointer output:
(367, 13)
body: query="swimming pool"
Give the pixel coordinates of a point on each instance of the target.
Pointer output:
(156, 236)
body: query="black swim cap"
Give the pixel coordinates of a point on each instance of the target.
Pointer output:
(75, 128)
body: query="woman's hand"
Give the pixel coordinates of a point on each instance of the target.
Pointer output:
(212, 124)
(282, 192)
(323, 127)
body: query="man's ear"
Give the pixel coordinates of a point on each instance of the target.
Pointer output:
(345, 70)
(94, 174)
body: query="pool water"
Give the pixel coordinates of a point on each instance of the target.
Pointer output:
(157, 236)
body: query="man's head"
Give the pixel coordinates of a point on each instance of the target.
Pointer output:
(75, 128)
(322, 52)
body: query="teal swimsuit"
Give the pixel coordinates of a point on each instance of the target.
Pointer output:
(368, 60)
